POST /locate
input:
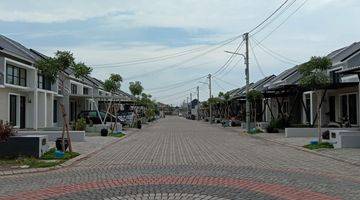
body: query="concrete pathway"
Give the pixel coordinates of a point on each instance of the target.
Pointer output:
(181, 159)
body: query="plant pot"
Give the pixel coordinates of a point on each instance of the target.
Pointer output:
(104, 132)
(138, 125)
(58, 143)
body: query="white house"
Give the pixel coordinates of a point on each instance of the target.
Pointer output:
(28, 100)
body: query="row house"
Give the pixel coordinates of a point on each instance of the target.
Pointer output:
(285, 98)
(30, 101)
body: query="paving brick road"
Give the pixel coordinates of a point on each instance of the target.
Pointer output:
(180, 159)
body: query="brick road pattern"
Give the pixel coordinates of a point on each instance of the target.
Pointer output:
(180, 159)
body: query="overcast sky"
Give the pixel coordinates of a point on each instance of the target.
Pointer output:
(113, 31)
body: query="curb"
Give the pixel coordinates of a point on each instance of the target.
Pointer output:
(305, 150)
(72, 161)
(298, 148)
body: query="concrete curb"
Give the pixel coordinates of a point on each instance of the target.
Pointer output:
(296, 147)
(72, 161)
(304, 149)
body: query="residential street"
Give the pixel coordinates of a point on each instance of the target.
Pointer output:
(177, 158)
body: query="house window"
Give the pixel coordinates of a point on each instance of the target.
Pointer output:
(15, 75)
(40, 81)
(86, 91)
(55, 112)
(335, 77)
(13, 110)
(100, 93)
(73, 89)
(332, 108)
(349, 108)
(307, 107)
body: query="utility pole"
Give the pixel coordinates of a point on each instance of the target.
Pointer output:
(187, 107)
(246, 58)
(198, 98)
(246, 38)
(210, 109)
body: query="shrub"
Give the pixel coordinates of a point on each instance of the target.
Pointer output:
(80, 124)
(6, 130)
(273, 126)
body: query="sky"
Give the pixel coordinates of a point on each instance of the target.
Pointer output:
(178, 41)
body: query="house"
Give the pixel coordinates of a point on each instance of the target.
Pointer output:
(340, 102)
(30, 101)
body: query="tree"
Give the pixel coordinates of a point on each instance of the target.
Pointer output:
(136, 88)
(112, 85)
(53, 68)
(225, 97)
(253, 97)
(314, 77)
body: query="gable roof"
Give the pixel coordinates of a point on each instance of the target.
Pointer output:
(286, 78)
(16, 49)
(345, 53)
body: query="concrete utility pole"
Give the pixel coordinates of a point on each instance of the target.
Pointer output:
(198, 98)
(246, 57)
(210, 110)
(187, 106)
(246, 38)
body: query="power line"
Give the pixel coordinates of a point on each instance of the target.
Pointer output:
(287, 18)
(219, 86)
(272, 14)
(256, 60)
(232, 68)
(181, 63)
(274, 18)
(226, 82)
(176, 84)
(275, 55)
(229, 60)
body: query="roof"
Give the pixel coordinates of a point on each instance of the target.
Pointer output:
(286, 78)
(12, 47)
(345, 53)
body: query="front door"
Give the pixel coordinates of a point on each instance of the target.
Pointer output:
(72, 111)
(22, 111)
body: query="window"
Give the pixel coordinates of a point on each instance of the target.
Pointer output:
(86, 91)
(349, 108)
(335, 77)
(13, 110)
(15, 75)
(307, 107)
(100, 93)
(332, 108)
(73, 89)
(55, 112)
(40, 81)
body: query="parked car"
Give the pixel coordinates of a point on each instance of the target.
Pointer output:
(93, 116)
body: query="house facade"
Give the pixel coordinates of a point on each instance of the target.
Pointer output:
(30, 101)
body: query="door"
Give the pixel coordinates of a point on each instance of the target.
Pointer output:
(13, 110)
(72, 111)
(332, 108)
(22, 111)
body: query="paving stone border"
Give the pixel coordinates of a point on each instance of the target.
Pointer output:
(69, 162)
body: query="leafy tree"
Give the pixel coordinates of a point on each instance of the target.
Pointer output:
(136, 88)
(112, 85)
(314, 77)
(253, 97)
(53, 68)
(225, 98)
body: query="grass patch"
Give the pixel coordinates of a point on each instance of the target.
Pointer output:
(50, 155)
(255, 131)
(324, 145)
(47, 160)
(120, 135)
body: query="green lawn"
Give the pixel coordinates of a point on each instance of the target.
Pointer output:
(47, 160)
(120, 135)
(324, 145)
